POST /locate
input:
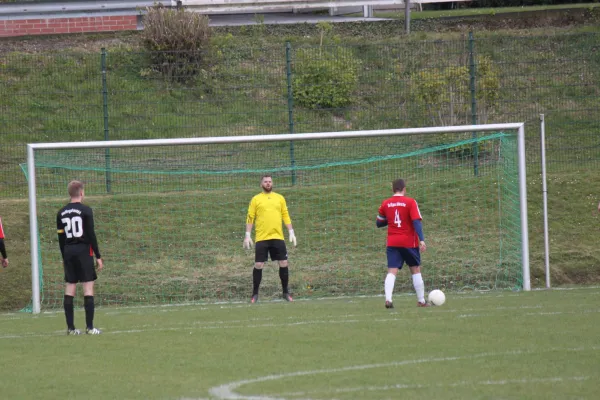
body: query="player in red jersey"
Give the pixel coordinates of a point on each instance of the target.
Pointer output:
(405, 240)
(4, 258)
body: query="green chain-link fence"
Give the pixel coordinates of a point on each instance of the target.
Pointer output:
(120, 95)
(282, 89)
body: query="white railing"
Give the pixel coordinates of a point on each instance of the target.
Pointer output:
(74, 6)
(132, 7)
(208, 6)
(243, 6)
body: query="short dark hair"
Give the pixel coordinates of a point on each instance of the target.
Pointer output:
(265, 176)
(398, 185)
(75, 188)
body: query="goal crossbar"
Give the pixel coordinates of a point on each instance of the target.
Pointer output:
(32, 147)
(273, 138)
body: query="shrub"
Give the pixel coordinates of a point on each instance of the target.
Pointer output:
(324, 77)
(178, 41)
(446, 96)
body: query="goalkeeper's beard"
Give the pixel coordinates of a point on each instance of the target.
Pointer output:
(267, 190)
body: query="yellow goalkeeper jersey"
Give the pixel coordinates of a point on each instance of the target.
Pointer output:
(267, 211)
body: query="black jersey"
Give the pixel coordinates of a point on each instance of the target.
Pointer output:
(75, 225)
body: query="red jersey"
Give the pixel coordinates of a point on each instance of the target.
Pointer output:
(1, 230)
(400, 211)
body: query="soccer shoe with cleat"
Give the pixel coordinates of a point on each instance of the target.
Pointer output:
(93, 331)
(73, 332)
(389, 304)
(423, 304)
(288, 297)
(254, 299)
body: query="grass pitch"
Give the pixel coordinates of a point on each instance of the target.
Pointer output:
(534, 345)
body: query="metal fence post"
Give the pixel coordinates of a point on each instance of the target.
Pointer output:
(105, 113)
(545, 199)
(288, 65)
(407, 17)
(473, 90)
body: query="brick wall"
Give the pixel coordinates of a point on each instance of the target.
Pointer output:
(51, 26)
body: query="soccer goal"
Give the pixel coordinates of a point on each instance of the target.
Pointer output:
(170, 213)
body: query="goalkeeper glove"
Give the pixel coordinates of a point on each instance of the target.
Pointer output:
(292, 237)
(248, 241)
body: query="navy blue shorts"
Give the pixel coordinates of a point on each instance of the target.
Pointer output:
(397, 256)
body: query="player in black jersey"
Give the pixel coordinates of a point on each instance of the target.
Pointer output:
(78, 245)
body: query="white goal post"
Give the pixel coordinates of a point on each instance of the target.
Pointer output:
(33, 147)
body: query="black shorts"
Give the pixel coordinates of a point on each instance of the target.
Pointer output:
(79, 264)
(274, 247)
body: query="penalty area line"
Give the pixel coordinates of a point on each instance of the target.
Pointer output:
(523, 381)
(228, 391)
(264, 323)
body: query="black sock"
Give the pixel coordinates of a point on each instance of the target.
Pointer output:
(284, 276)
(69, 314)
(256, 278)
(88, 304)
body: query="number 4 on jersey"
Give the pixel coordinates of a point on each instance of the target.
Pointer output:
(397, 219)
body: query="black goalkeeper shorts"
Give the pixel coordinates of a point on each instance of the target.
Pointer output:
(274, 247)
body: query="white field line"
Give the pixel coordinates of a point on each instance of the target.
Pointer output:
(548, 313)
(201, 306)
(565, 312)
(444, 309)
(150, 310)
(141, 309)
(266, 323)
(187, 328)
(412, 311)
(333, 316)
(228, 390)
(567, 288)
(441, 385)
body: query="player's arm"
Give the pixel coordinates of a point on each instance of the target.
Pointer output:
(381, 220)
(248, 237)
(290, 229)
(62, 237)
(88, 228)
(418, 225)
(285, 215)
(415, 215)
(3, 252)
(2, 247)
(249, 224)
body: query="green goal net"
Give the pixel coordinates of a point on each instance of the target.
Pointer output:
(170, 219)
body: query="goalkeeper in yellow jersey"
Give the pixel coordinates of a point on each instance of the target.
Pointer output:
(269, 210)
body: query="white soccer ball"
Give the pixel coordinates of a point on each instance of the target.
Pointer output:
(436, 297)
